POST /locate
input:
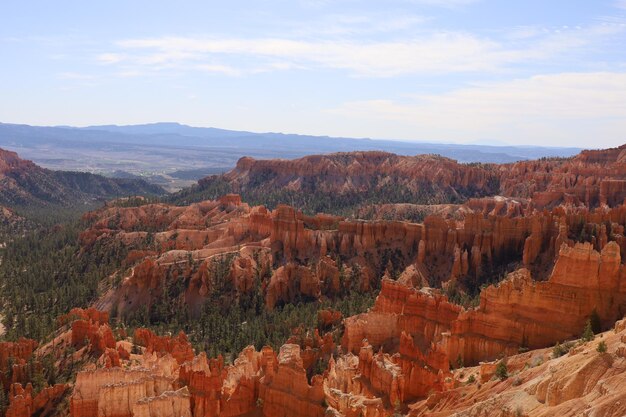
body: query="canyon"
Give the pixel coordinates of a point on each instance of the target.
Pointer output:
(529, 256)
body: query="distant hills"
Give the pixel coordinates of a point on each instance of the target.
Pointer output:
(175, 155)
(40, 193)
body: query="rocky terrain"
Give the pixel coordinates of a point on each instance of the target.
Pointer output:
(486, 306)
(358, 179)
(28, 187)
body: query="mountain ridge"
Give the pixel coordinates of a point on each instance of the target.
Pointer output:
(158, 151)
(27, 187)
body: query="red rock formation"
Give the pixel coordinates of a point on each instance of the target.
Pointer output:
(433, 333)
(328, 318)
(513, 314)
(98, 337)
(253, 239)
(287, 392)
(15, 354)
(204, 378)
(168, 404)
(113, 392)
(226, 391)
(383, 374)
(90, 314)
(591, 178)
(347, 394)
(179, 346)
(583, 382)
(400, 308)
(352, 172)
(23, 404)
(290, 280)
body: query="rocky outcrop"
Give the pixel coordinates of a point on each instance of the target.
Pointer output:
(226, 246)
(289, 281)
(346, 393)
(427, 332)
(286, 392)
(217, 390)
(114, 392)
(24, 403)
(400, 308)
(98, 337)
(513, 313)
(583, 382)
(179, 346)
(168, 404)
(591, 178)
(89, 314)
(13, 361)
(341, 173)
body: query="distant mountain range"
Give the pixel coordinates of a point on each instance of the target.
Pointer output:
(174, 155)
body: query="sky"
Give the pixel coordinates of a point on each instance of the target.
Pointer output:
(533, 72)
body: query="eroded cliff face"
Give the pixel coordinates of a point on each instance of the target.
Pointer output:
(285, 391)
(114, 392)
(590, 179)
(426, 332)
(155, 384)
(582, 382)
(341, 173)
(227, 246)
(13, 361)
(23, 402)
(300, 255)
(398, 356)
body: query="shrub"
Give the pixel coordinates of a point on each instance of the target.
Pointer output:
(559, 350)
(501, 370)
(601, 347)
(471, 379)
(537, 361)
(588, 335)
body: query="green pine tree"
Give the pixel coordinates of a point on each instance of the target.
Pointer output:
(588, 334)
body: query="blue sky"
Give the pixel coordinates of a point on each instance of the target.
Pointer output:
(458, 71)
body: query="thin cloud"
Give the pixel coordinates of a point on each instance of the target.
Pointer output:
(434, 53)
(75, 76)
(448, 52)
(445, 3)
(566, 108)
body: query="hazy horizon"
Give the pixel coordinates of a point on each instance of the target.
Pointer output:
(483, 143)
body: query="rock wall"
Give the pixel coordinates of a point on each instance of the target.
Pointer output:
(22, 402)
(179, 346)
(427, 332)
(113, 392)
(286, 392)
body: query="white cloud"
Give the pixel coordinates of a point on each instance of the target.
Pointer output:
(620, 4)
(427, 53)
(572, 109)
(445, 3)
(441, 52)
(110, 58)
(75, 76)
